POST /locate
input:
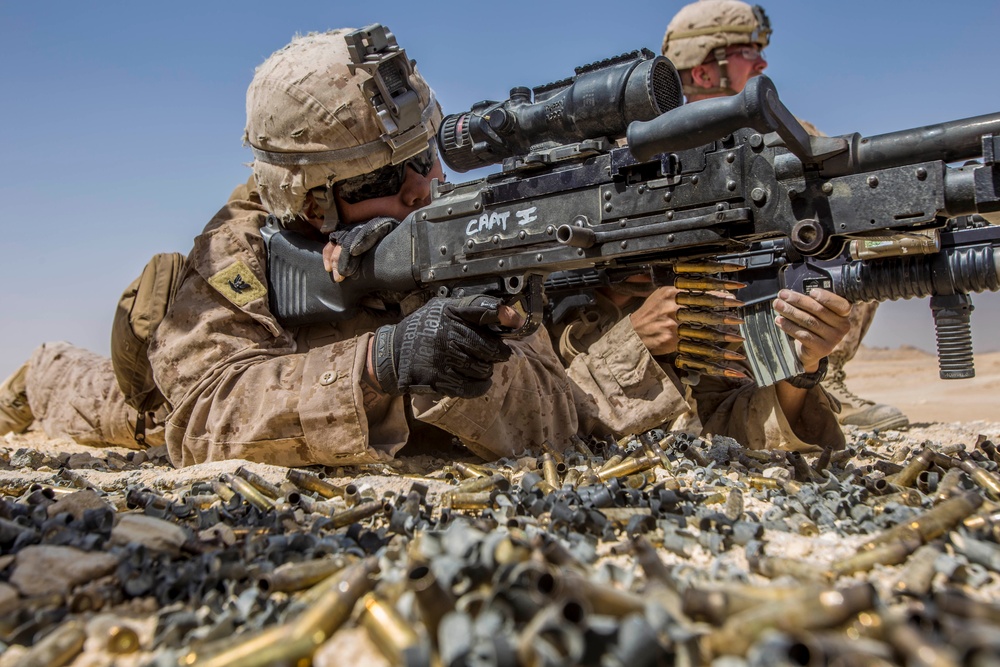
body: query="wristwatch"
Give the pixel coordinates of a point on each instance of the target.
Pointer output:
(810, 380)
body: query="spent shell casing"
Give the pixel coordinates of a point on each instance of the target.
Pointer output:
(267, 488)
(122, 640)
(334, 600)
(692, 452)
(891, 553)
(707, 267)
(984, 478)
(433, 599)
(713, 370)
(710, 352)
(298, 576)
(357, 513)
(656, 449)
(248, 492)
(391, 633)
(955, 602)
(949, 485)
(908, 497)
(548, 448)
(572, 477)
(309, 482)
(718, 603)
(934, 522)
(479, 500)
(918, 574)
(581, 446)
(611, 462)
(707, 333)
(352, 495)
(827, 609)
(470, 471)
(761, 482)
(777, 566)
(627, 467)
(803, 471)
(222, 490)
(709, 317)
(549, 473)
(603, 598)
(703, 300)
(57, 648)
(494, 481)
(919, 463)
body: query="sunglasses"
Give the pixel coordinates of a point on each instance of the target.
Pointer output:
(385, 181)
(748, 53)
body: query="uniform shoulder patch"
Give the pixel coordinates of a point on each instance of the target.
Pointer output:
(238, 284)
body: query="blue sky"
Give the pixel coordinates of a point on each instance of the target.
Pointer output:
(121, 122)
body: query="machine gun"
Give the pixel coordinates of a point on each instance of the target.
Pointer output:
(735, 179)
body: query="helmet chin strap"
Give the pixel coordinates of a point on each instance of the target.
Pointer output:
(724, 87)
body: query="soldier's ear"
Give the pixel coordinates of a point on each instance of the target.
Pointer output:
(701, 76)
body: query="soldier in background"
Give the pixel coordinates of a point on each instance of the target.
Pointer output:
(717, 46)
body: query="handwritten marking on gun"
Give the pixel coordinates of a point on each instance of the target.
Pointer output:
(489, 221)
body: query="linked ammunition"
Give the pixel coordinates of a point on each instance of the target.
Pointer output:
(706, 283)
(706, 333)
(712, 370)
(710, 352)
(704, 300)
(707, 267)
(309, 482)
(711, 318)
(259, 483)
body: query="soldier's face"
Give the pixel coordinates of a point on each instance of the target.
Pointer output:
(744, 62)
(415, 193)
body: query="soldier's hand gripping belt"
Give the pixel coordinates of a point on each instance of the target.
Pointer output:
(445, 348)
(359, 239)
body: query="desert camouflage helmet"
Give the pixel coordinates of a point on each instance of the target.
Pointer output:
(331, 106)
(700, 28)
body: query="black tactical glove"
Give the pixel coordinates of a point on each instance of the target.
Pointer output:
(445, 348)
(357, 240)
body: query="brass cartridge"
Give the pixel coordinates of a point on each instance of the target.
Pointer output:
(708, 334)
(919, 572)
(984, 478)
(706, 300)
(494, 481)
(707, 266)
(356, 513)
(391, 633)
(297, 576)
(222, 490)
(259, 483)
(549, 471)
(827, 609)
(57, 648)
(433, 600)
(908, 476)
(469, 471)
(309, 482)
(934, 522)
(710, 352)
(706, 283)
(627, 467)
(479, 500)
(709, 317)
(891, 553)
(248, 492)
(122, 640)
(949, 484)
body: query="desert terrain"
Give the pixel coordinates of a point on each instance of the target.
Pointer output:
(717, 520)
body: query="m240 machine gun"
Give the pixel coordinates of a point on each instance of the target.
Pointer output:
(734, 180)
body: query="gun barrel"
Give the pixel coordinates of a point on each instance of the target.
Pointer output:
(951, 141)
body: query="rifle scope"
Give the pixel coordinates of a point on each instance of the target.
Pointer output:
(600, 101)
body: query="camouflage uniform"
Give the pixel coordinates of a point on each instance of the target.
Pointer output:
(73, 393)
(622, 388)
(242, 385)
